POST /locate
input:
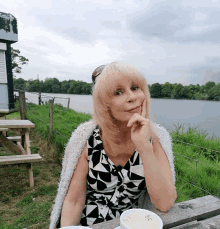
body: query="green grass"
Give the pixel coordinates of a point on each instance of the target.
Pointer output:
(25, 207)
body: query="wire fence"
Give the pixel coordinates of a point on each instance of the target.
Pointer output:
(176, 154)
(39, 98)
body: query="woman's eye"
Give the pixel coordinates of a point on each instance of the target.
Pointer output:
(136, 87)
(117, 92)
(133, 88)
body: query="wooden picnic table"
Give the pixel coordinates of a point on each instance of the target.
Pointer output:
(22, 148)
(199, 213)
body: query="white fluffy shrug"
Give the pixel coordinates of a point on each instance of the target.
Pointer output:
(73, 150)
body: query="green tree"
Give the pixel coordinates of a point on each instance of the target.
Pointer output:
(178, 92)
(197, 88)
(214, 93)
(191, 91)
(166, 90)
(156, 90)
(209, 85)
(65, 86)
(185, 92)
(17, 60)
(19, 84)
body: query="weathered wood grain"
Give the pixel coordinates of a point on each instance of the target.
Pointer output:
(17, 159)
(180, 214)
(15, 138)
(16, 124)
(210, 223)
(9, 144)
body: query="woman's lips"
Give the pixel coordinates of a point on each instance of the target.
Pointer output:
(134, 110)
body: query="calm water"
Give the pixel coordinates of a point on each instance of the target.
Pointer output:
(167, 112)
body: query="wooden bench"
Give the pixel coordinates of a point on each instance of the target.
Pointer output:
(22, 148)
(18, 159)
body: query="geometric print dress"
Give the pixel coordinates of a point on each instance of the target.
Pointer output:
(111, 189)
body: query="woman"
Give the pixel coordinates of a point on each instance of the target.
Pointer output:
(119, 160)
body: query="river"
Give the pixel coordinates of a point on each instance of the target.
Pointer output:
(167, 112)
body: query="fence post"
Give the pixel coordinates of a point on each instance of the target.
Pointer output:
(68, 105)
(50, 119)
(23, 110)
(39, 99)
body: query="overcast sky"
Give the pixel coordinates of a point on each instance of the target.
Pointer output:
(176, 41)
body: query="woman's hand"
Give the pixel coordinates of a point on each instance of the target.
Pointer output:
(140, 128)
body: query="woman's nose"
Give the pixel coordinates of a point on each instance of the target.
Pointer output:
(131, 96)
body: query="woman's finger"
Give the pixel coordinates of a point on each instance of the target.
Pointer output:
(134, 118)
(144, 107)
(138, 120)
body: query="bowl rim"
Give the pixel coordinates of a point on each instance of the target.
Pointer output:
(139, 209)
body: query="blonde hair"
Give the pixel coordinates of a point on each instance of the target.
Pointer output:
(103, 89)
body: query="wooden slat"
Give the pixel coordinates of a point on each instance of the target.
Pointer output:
(213, 222)
(21, 148)
(180, 214)
(8, 112)
(18, 159)
(3, 129)
(16, 124)
(14, 138)
(10, 145)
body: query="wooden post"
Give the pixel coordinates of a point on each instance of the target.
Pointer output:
(23, 110)
(50, 119)
(68, 105)
(4, 132)
(39, 100)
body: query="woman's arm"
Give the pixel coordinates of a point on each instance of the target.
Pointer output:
(76, 195)
(158, 176)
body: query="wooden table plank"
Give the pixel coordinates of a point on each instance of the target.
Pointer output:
(180, 214)
(210, 223)
(16, 124)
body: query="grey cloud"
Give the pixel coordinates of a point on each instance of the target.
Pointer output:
(112, 24)
(205, 72)
(161, 21)
(213, 59)
(41, 43)
(211, 36)
(172, 23)
(67, 26)
(83, 28)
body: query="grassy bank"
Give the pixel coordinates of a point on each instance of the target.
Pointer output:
(25, 207)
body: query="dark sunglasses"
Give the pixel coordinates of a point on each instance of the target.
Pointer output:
(97, 72)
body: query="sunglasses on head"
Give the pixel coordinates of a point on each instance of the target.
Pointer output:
(97, 72)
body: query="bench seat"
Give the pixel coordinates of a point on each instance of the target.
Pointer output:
(17, 159)
(15, 138)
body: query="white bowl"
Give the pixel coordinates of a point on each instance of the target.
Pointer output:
(140, 218)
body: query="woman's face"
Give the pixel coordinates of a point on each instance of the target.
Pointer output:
(126, 96)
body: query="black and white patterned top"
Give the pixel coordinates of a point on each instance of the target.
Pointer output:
(110, 189)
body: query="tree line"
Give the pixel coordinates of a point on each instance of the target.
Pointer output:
(209, 91)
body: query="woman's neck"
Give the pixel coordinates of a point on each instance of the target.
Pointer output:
(124, 136)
